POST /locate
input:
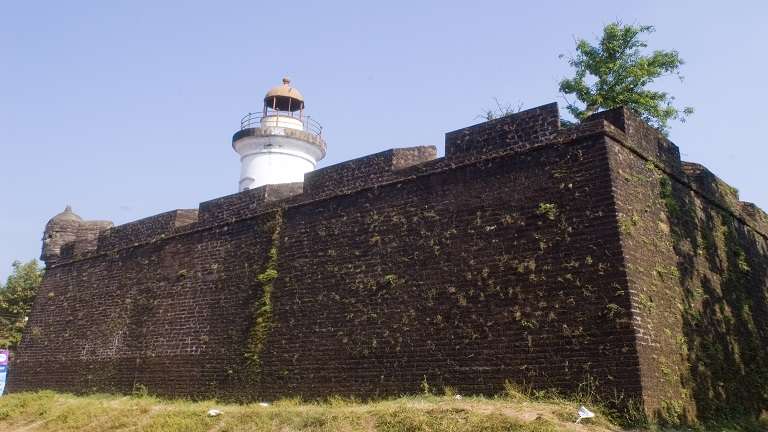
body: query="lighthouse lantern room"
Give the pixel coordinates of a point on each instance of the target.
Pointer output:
(279, 144)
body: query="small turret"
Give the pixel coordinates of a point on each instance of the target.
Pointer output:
(64, 228)
(61, 229)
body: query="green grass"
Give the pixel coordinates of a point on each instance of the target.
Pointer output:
(50, 411)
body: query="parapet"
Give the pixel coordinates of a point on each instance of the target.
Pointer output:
(68, 236)
(143, 230)
(711, 185)
(757, 214)
(643, 138)
(518, 131)
(725, 196)
(86, 241)
(365, 171)
(652, 145)
(246, 203)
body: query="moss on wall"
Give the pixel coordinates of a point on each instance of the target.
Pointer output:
(701, 292)
(722, 267)
(262, 309)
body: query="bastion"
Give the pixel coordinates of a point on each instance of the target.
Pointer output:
(584, 259)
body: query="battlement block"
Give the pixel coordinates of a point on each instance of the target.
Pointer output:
(246, 203)
(710, 184)
(517, 131)
(756, 215)
(143, 230)
(365, 171)
(644, 138)
(716, 190)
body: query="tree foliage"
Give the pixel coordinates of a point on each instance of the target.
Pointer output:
(616, 72)
(16, 298)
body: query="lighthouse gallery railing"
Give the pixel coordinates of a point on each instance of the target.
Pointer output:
(253, 120)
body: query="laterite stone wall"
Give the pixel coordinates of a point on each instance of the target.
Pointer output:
(502, 269)
(588, 259)
(697, 263)
(171, 314)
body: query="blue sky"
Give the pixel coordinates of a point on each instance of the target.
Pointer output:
(125, 109)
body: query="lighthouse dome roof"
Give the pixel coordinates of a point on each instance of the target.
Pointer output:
(284, 97)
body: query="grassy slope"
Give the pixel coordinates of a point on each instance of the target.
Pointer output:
(49, 411)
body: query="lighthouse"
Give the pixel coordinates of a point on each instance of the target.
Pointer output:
(279, 144)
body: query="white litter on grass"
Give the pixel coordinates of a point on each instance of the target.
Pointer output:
(214, 413)
(457, 397)
(584, 413)
(264, 404)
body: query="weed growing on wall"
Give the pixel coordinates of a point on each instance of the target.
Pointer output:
(548, 210)
(263, 309)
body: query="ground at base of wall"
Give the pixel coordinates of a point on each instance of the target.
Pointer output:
(50, 411)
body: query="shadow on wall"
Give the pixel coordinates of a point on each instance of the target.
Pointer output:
(722, 266)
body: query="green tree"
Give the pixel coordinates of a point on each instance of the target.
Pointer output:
(16, 298)
(616, 72)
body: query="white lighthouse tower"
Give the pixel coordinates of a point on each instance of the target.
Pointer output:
(279, 144)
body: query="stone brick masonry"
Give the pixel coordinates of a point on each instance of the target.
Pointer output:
(572, 258)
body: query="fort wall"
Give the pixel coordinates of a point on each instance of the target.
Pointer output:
(501, 269)
(171, 314)
(583, 257)
(696, 261)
